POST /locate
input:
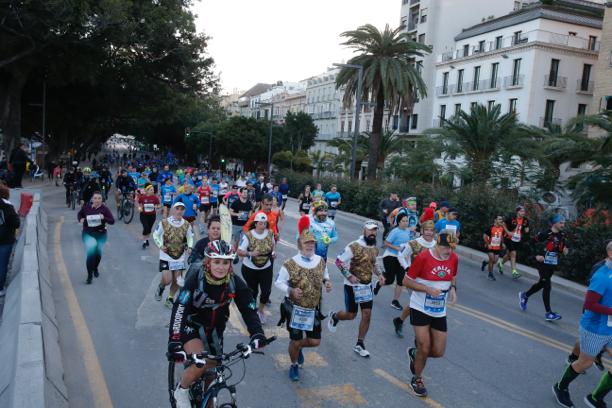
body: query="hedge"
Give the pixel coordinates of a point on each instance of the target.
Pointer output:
(477, 205)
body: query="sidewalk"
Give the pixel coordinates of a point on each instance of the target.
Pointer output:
(478, 256)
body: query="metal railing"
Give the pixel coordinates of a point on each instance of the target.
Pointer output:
(443, 90)
(585, 87)
(555, 82)
(514, 81)
(545, 122)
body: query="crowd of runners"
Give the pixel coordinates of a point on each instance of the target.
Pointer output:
(238, 218)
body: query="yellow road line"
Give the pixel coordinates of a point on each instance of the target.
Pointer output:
(400, 384)
(344, 394)
(93, 370)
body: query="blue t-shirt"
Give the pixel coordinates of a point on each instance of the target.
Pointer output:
(215, 192)
(332, 198)
(189, 200)
(284, 189)
(167, 193)
(598, 323)
(445, 224)
(397, 237)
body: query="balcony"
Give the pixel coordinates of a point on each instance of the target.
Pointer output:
(514, 82)
(557, 83)
(584, 87)
(443, 91)
(518, 40)
(546, 122)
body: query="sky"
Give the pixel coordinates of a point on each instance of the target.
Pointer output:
(283, 40)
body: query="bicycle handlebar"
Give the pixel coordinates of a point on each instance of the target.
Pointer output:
(199, 359)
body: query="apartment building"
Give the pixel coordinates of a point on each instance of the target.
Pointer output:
(602, 99)
(538, 62)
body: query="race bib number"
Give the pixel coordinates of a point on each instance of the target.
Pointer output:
(205, 200)
(516, 237)
(551, 258)
(285, 196)
(334, 204)
(223, 192)
(495, 241)
(167, 198)
(435, 304)
(176, 265)
(609, 321)
(363, 293)
(451, 229)
(243, 216)
(94, 220)
(306, 206)
(302, 318)
(149, 207)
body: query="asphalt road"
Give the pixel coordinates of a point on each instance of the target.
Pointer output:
(114, 336)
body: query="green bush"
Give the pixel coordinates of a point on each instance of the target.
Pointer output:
(477, 205)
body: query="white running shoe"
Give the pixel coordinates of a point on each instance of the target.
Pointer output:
(330, 323)
(361, 351)
(181, 396)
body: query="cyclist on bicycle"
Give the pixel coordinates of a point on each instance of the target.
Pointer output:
(69, 181)
(124, 183)
(88, 185)
(106, 178)
(201, 311)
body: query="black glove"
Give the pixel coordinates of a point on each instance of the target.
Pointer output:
(258, 341)
(174, 347)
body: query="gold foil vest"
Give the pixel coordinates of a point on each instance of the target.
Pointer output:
(263, 246)
(309, 280)
(175, 238)
(363, 262)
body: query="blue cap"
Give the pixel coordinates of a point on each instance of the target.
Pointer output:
(557, 218)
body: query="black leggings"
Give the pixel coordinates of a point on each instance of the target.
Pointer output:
(147, 221)
(256, 278)
(546, 272)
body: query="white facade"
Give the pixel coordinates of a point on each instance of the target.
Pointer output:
(323, 103)
(541, 69)
(436, 23)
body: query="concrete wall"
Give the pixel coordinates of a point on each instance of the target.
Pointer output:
(31, 373)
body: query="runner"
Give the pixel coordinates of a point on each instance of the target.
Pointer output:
(493, 237)
(232, 196)
(333, 200)
(318, 192)
(191, 203)
(200, 315)
(323, 229)
(595, 335)
(284, 190)
(240, 210)
(88, 186)
(357, 263)
(94, 216)
(213, 232)
(204, 195)
(168, 192)
(266, 208)
(429, 213)
(148, 204)
(386, 207)
(409, 207)
(257, 248)
(174, 237)
(442, 211)
(214, 200)
(278, 197)
(393, 269)
(517, 229)
(305, 201)
(280, 214)
(548, 259)
(432, 278)
(450, 223)
(301, 279)
(261, 189)
(406, 255)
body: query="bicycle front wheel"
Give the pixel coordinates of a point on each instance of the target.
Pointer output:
(73, 201)
(129, 211)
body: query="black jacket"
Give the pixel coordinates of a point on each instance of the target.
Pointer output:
(260, 190)
(9, 222)
(19, 157)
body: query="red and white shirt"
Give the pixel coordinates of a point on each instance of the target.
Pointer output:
(204, 193)
(435, 273)
(148, 203)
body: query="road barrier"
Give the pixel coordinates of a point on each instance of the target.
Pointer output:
(31, 372)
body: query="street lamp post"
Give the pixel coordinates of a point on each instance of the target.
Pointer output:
(358, 96)
(271, 105)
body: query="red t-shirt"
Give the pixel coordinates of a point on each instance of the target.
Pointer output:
(496, 235)
(204, 194)
(148, 203)
(428, 268)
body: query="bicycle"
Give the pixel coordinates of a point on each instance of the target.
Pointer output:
(73, 197)
(126, 207)
(219, 375)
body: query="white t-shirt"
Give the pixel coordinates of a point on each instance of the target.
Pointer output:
(405, 254)
(244, 246)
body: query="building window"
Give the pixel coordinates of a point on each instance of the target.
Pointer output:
(582, 109)
(481, 46)
(473, 105)
(592, 43)
(457, 108)
(466, 50)
(476, 78)
(516, 38)
(553, 73)
(424, 15)
(549, 112)
(442, 112)
(494, 72)
(341, 126)
(367, 125)
(586, 77)
(490, 105)
(414, 121)
(516, 71)
(445, 83)
(422, 38)
(350, 126)
(460, 81)
(512, 105)
(498, 42)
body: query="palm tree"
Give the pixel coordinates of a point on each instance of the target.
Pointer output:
(481, 136)
(345, 148)
(390, 77)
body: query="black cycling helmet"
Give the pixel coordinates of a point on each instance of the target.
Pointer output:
(219, 249)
